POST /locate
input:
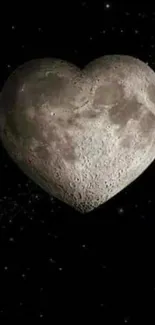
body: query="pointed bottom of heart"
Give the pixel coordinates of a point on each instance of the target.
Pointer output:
(88, 200)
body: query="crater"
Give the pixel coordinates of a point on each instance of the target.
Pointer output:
(42, 152)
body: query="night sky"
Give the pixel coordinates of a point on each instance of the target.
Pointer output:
(56, 264)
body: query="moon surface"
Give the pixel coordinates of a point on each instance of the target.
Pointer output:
(82, 135)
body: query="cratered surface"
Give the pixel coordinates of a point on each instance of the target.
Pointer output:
(82, 135)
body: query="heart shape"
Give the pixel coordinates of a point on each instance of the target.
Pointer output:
(82, 135)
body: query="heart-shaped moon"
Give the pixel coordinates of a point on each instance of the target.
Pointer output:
(82, 135)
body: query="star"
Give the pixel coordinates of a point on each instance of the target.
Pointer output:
(11, 239)
(51, 260)
(126, 319)
(41, 315)
(23, 276)
(107, 6)
(120, 210)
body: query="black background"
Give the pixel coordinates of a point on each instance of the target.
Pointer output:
(55, 263)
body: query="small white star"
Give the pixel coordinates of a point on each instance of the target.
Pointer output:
(23, 275)
(13, 27)
(120, 210)
(126, 319)
(83, 4)
(41, 315)
(11, 239)
(107, 5)
(51, 260)
(144, 15)
(5, 268)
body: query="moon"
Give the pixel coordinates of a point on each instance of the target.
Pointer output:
(82, 135)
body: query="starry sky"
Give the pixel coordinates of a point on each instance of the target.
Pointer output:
(56, 264)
